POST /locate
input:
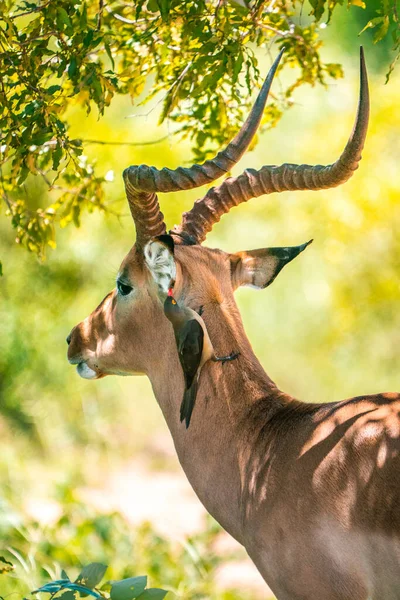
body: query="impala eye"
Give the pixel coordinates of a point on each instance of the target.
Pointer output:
(124, 289)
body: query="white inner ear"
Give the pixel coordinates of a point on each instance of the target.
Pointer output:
(161, 264)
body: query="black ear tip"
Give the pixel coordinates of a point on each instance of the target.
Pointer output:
(167, 240)
(304, 246)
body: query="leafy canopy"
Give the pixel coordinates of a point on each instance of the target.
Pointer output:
(199, 54)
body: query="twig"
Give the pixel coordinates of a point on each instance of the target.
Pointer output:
(217, 10)
(123, 19)
(6, 200)
(29, 12)
(176, 82)
(100, 15)
(104, 143)
(107, 143)
(45, 178)
(3, 192)
(283, 34)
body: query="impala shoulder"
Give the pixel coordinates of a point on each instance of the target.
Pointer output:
(356, 423)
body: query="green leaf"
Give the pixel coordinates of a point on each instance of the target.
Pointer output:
(42, 136)
(56, 156)
(382, 31)
(5, 565)
(110, 56)
(372, 23)
(51, 588)
(139, 6)
(72, 67)
(153, 594)
(57, 586)
(91, 575)
(67, 595)
(209, 81)
(87, 40)
(23, 174)
(164, 6)
(128, 589)
(391, 67)
(152, 6)
(63, 18)
(53, 89)
(334, 70)
(318, 8)
(83, 18)
(237, 67)
(240, 3)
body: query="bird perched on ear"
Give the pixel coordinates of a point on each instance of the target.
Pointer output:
(194, 349)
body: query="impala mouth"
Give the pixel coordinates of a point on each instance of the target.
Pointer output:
(86, 372)
(83, 369)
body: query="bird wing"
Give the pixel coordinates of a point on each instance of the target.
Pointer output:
(190, 349)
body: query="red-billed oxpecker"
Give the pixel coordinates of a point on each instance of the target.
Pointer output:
(192, 340)
(194, 349)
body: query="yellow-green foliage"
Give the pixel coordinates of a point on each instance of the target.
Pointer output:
(199, 54)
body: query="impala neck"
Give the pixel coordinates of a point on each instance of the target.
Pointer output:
(212, 451)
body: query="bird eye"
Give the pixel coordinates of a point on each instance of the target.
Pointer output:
(124, 289)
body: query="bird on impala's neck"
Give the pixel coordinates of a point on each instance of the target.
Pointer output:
(194, 349)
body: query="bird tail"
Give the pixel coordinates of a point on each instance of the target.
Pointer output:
(189, 399)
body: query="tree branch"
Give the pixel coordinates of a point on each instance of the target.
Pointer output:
(105, 143)
(100, 15)
(31, 11)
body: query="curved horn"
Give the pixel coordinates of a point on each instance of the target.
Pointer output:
(271, 178)
(142, 182)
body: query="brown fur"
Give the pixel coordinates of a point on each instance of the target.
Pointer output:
(311, 491)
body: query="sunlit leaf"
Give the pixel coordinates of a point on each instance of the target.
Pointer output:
(56, 156)
(164, 6)
(5, 565)
(53, 89)
(91, 575)
(372, 23)
(152, 5)
(63, 18)
(128, 589)
(382, 30)
(318, 8)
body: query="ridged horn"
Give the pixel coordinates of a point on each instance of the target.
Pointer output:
(142, 182)
(271, 178)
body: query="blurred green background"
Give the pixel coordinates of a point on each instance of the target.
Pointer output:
(83, 463)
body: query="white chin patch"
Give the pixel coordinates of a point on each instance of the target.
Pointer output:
(85, 371)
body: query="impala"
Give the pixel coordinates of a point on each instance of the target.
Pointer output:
(312, 491)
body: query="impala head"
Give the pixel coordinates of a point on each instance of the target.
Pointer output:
(127, 331)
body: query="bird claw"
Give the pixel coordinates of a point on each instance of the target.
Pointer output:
(224, 359)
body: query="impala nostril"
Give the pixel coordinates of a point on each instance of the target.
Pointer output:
(68, 340)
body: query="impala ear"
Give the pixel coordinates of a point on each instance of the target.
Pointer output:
(159, 259)
(258, 268)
